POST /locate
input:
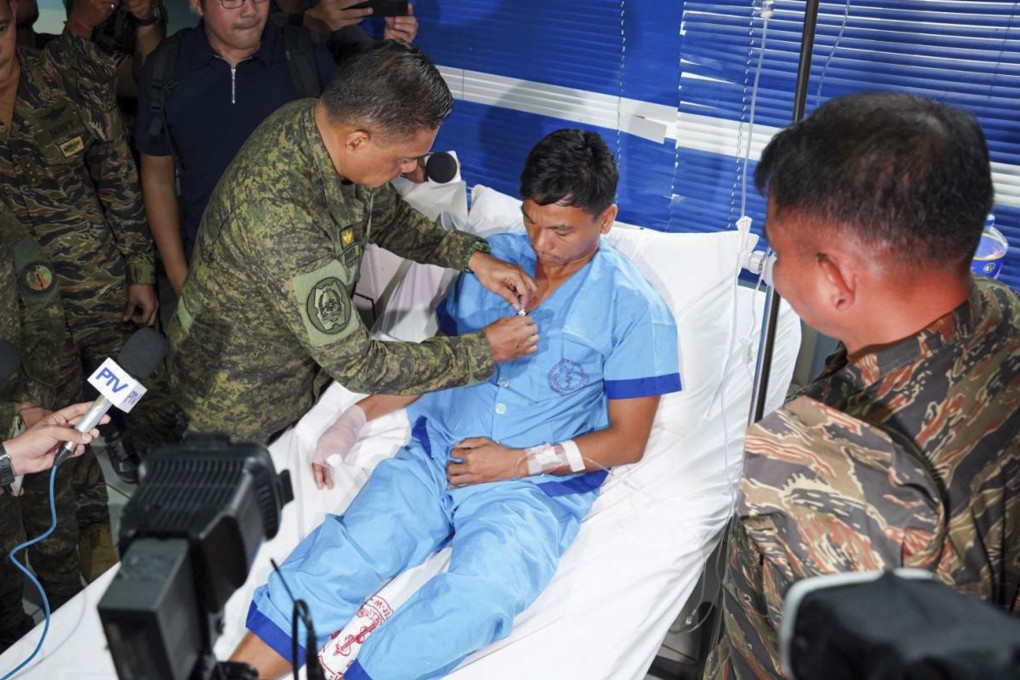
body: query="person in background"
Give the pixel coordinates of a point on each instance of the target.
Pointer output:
(339, 24)
(266, 319)
(127, 32)
(48, 376)
(69, 179)
(203, 92)
(905, 451)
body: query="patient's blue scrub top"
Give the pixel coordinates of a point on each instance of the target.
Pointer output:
(604, 334)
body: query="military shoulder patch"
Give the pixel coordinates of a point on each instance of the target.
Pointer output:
(324, 304)
(36, 278)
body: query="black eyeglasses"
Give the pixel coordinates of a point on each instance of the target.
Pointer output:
(237, 4)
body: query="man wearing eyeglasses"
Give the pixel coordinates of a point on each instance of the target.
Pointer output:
(227, 75)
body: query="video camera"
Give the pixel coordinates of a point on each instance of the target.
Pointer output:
(188, 539)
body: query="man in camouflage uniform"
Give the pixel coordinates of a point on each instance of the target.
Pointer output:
(265, 317)
(67, 175)
(32, 319)
(905, 451)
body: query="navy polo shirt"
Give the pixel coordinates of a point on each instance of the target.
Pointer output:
(213, 109)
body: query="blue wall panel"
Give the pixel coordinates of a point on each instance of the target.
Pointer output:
(493, 143)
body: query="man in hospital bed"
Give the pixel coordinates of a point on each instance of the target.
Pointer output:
(479, 473)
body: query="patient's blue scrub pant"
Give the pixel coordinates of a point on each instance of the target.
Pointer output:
(506, 541)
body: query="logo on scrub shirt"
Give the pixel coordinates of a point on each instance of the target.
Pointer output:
(567, 376)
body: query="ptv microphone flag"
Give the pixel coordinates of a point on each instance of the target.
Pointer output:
(117, 385)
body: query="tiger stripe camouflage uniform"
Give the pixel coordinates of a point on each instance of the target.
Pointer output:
(266, 317)
(908, 456)
(32, 319)
(67, 174)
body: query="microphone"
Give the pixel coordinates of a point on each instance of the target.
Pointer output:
(441, 167)
(120, 382)
(9, 361)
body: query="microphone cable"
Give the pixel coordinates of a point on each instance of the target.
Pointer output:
(31, 576)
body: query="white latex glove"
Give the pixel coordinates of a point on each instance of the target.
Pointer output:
(335, 443)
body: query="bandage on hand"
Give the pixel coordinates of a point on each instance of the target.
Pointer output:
(335, 443)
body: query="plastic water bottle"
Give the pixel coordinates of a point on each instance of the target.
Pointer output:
(991, 251)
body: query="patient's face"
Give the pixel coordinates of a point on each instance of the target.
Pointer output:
(564, 236)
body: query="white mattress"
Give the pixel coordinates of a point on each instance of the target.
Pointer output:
(641, 549)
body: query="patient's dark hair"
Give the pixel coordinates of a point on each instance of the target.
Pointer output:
(392, 85)
(906, 175)
(572, 167)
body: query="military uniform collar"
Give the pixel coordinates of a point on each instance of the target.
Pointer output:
(949, 329)
(202, 53)
(340, 195)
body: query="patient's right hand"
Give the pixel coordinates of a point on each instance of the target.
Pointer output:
(512, 337)
(335, 443)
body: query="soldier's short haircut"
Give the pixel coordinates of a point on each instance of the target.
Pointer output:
(907, 176)
(392, 85)
(572, 167)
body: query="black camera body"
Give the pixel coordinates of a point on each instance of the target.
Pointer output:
(188, 539)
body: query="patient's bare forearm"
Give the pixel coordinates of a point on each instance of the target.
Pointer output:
(623, 442)
(378, 405)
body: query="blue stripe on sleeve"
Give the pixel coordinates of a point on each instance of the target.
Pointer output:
(446, 322)
(580, 484)
(643, 387)
(270, 633)
(356, 672)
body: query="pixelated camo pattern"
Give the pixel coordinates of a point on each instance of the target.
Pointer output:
(905, 457)
(266, 315)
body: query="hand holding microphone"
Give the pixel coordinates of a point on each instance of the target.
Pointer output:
(120, 382)
(33, 450)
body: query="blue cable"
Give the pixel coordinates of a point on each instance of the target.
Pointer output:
(31, 577)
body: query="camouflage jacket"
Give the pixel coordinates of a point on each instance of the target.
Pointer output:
(266, 313)
(32, 320)
(67, 174)
(905, 457)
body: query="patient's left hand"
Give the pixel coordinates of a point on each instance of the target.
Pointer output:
(483, 460)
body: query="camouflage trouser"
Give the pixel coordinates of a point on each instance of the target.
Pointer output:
(100, 334)
(96, 553)
(54, 560)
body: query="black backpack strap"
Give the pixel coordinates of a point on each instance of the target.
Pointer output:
(161, 86)
(164, 66)
(299, 50)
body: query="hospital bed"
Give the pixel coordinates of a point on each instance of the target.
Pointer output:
(644, 545)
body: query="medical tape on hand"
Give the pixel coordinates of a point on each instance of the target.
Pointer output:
(549, 457)
(574, 458)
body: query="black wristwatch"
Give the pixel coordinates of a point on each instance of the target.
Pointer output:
(153, 18)
(6, 471)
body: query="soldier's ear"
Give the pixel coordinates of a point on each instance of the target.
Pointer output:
(839, 279)
(356, 140)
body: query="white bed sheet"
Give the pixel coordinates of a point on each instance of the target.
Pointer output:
(640, 551)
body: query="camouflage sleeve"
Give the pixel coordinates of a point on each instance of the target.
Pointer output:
(310, 290)
(401, 229)
(81, 64)
(9, 325)
(109, 160)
